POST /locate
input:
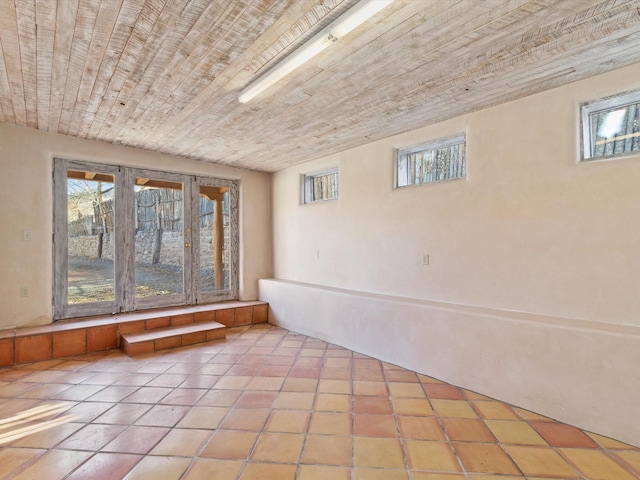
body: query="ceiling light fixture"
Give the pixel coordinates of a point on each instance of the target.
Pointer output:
(351, 19)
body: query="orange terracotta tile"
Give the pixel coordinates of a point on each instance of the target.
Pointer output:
(363, 473)
(244, 316)
(363, 387)
(105, 466)
(453, 408)
(230, 445)
(168, 342)
(102, 338)
(528, 415)
(403, 389)
(54, 464)
(265, 383)
(204, 316)
(207, 469)
(33, 349)
(420, 428)
(317, 472)
(327, 450)
(334, 386)
(631, 458)
(123, 414)
(333, 402)
(183, 396)
(268, 471)
(288, 421)
(12, 459)
(260, 313)
(256, 399)
(7, 354)
(140, 348)
(48, 438)
(476, 396)
(193, 338)
(378, 452)
(330, 373)
(232, 382)
(226, 317)
(540, 461)
(467, 430)
(411, 406)
(70, 342)
(295, 400)
(375, 426)
(595, 464)
(401, 375)
(163, 416)
(371, 405)
(246, 419)
(182, 442)
(427, 455)
(427, 379)
(514, 432)
(92, 437)
(453, 476)
(203, 417)
(449, 392)
(159, 468)
(219, 398)
(278, 447)
(330, 423)
(561, 435)
(136, 439)
(494, 410)
(484, 458)
(131, 327)
(161, 322)
(183, 319)
(368, 375)
(607, 442)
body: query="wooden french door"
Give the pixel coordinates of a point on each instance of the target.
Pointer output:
(131, 239)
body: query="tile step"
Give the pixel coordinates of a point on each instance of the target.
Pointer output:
(171, 337)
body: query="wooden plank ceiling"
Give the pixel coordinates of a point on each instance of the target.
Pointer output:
(164, 75)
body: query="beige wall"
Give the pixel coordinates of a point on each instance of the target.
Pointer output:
(529, 230)
(26, 204)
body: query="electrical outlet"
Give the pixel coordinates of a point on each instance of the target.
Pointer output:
(24, 292)
(425, 259)
(317, 253)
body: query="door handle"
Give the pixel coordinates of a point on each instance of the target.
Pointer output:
(187, 245)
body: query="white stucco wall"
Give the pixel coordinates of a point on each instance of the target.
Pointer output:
(530, 231)
(26, 205)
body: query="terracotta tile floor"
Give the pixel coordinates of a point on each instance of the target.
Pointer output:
(270, 404)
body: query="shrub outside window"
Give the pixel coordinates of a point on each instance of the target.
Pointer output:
(610, 127)
(432, 162)
(320, 186)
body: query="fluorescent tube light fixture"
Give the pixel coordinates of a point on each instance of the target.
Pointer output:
(348, 21)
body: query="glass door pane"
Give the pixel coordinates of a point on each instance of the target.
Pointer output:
(214, 245)
(90, 237)
(159, 238)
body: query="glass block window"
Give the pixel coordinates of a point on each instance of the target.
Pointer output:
(611, 127)
(432, 162)
(320, 186)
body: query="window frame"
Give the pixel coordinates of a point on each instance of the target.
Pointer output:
(401, 167)
(589, 108)
(124, 258)
(307, 186)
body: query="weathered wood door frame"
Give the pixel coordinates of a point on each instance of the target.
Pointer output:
(124, 252)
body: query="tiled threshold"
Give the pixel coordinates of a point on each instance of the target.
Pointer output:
(94, 334)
